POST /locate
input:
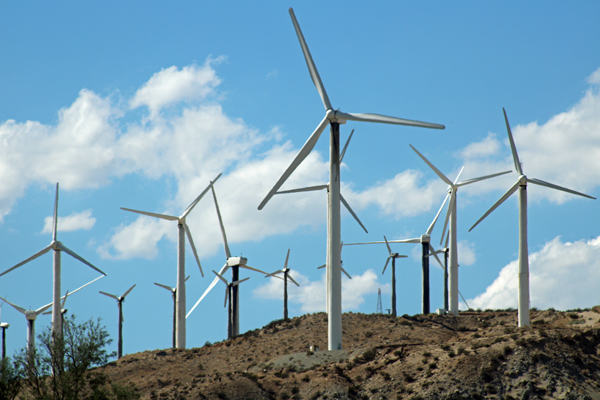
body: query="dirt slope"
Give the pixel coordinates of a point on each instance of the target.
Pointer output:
(472, 356)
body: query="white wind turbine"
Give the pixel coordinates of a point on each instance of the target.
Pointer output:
(333, 118)
(229, 295)
(286, 276)
(392, 257)
(58, 247)
(31, 315)
(173, 291)
(521, 185)
(235, 263)
(183, 231)
(119, 300)
(451, 215)
(428, 249)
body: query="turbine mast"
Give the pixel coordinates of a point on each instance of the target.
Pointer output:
(334, 283)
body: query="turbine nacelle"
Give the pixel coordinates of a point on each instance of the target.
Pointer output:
(425, 238)
(31, 315)
(336, 116)
(522, 180)
(236, 261)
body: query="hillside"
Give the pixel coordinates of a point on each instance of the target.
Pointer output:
(477, 355)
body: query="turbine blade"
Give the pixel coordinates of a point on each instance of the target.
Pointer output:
(434, 253)
(77, 257)
(240, 281)
(506, 195)
(170, 289)
(302, 154)
(430, 229)
(275, 276)
(109, 295)
(347, 274)
(413, 240)
(55, 216)
(513, 148)
(346, 146)
(33, 257)
(16, 307)
(186, 279)
(481, 178)
(447, 238)
(127, 292)
(448, 212)
(437, 171)
(226, 295)
(189, 236)
(367, 117)
(386, 264)
(212, 285)
(227, 252)
(553, 186)
(312, 68)
(352, 212)
(306, 189)
(292, 279)
(458, 176)
(42, 309)
(286, 259)
(155, 215)
(221, 277)
(388, 247)
(81, 287)
(197, 199)
(252, 268)
(279, 271)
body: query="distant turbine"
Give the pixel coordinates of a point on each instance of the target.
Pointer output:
(286, 275)
(173, 291)
(393, 257)
(235, 263)
(451, 215)
(183, 230)
(333, 118)
(57, 247)
(31, 315)
(120, 300)
(328, 275)
(4, 326)
(425, 240)
(521, 184)
(229, 296)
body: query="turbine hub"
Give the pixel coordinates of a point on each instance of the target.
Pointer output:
(55, 244)
(523, 180)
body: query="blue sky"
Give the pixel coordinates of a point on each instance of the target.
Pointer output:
(139, 105)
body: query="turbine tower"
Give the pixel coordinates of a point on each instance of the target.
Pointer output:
(57, 247)
(235, 263)
(451, 215)
(173, 291)
(229, 296)
(286, 275)
(120, 300)
(393, 257)
(183, 230)
(521, 185)
(4, 326)
(333, 118)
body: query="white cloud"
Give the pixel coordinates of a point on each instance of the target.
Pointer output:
(563, 275)
(594, 78)
(76, 221)
(466, 253)
(311, 295)
(138, 239)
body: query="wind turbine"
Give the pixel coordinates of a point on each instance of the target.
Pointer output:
(229, 296)
(392, 257)
(451, 215)
(183, 230)
(333, 118)
(425, 240)
(235, 263)
(521, 185)
(286, 275)
(4, 326)
(57, 247)
(173, 291)
(31, 315)
(120, 300)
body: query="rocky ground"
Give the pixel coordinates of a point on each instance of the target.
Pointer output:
(477, 355)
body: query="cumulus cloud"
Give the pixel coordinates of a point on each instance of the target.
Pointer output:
(74, 222)
(310, 296)
(594, 78)
(466, 253)
(563, 275)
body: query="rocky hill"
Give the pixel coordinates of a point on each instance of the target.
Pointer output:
(477, 355)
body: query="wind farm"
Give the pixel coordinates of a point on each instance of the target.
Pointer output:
(150, 131)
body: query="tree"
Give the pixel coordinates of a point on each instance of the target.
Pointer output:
(10, 379)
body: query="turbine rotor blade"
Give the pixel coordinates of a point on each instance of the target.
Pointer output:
(347, 274)
(481, 178)
(434, 253)
(292, 279)
(437, 171)
(306, 189)
(55, 217)
(286, 259)
(388, 247)
(513, 148)
(189, 236)
(226, 295)
(302, 154)
(197, 199)
(227, 252)
(506, 195)
(77, 257)
(33, 257)
(221, 277)
(81, 287)
(252, 268)
(430, 229)
(386, 264)
(452, 195)
(369, 117)
(458, 176)
(322, 266)
(352, 212)
(212, 285)
(16, 307)
(312, 69)
(109, 295)
(240, 281)
(155, 215)
(64, 300)
(553, 186)
(346, 146)
(170, 289)
(42, 309)
(274, 274)
(127, 292)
